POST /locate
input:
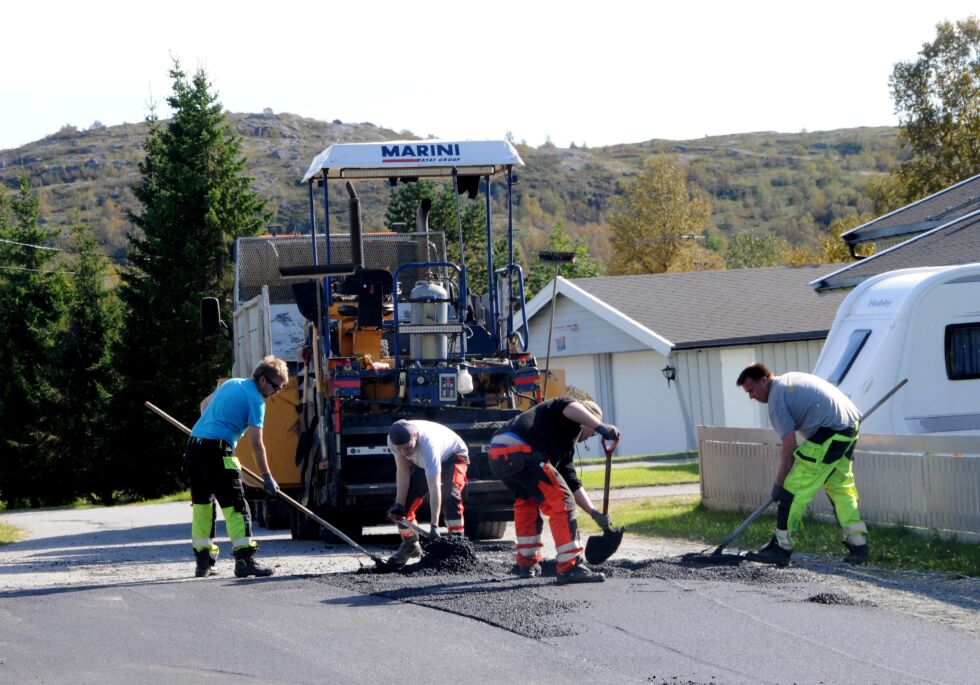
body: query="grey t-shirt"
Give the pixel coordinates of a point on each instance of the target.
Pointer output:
(804, 402)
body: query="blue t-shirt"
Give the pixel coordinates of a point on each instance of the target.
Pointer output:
(236, 405)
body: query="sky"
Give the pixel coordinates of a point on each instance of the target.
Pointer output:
(589, 73)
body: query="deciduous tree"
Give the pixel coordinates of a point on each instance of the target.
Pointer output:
(539, 273)
(651, 218)
(937, 99)
(751, 250)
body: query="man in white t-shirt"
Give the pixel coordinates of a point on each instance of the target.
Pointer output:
(428, 456)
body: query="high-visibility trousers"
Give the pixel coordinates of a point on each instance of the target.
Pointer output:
(825, 459)
(215, 474)
(538, 489)
(453, 482)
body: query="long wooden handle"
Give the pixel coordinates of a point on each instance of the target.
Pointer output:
(608, 449)
(745, 524)
(282, 495)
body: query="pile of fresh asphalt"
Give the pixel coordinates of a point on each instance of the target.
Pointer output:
(480, 582)
(838, 599)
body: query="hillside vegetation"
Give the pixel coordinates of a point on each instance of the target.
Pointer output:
(788, 185)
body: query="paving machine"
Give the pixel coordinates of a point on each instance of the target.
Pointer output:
(380, 326)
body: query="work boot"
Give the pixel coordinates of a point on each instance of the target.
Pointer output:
(409, 549)
(205, 563)
(856, 554)
(245, 565)
(532, 571)
(580, 573)
(771, 553)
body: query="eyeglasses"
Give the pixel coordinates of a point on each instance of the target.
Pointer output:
(275, 386)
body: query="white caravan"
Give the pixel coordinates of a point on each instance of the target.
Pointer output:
(922, 324)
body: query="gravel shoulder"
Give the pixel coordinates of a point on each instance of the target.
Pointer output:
(121, 546)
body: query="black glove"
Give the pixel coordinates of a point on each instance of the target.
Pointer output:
(434, 533)
(601, 519)
(396, 512)
(781, 494)
(608, 431)
(270, 484)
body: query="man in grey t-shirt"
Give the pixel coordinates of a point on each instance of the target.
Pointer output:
(829, 422)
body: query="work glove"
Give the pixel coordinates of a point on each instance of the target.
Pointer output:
(434, 533)
(601, 519)
(608, 431)
(781, 494)
(396, 512)
(270, 484)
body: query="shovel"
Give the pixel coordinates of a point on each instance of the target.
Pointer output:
(598, 548)
(718, 554)
(378, 561)
(411, 525)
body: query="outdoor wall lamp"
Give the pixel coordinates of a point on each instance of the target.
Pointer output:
(670, 373)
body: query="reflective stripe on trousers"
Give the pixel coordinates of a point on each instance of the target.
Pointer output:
(214, 475)
(453, 482)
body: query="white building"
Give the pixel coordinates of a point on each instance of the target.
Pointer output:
(620, 337)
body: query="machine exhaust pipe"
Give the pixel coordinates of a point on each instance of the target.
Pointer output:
(356, 242)
(422, 216)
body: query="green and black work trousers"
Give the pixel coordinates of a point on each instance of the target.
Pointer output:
(215, 475)
(822, 460)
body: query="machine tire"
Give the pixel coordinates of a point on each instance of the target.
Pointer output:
(277, 515)
(478, 529)
(259, 512)
(349, 524)
(302, 527)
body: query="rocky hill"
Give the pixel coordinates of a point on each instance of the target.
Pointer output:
(792, 185)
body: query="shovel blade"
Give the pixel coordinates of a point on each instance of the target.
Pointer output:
(598, 548)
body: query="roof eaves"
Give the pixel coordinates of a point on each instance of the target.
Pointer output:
(604, 311)
(891, 232)
(754, 340)
(856, 229)
(821, 282)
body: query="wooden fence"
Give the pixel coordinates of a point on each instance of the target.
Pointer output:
(925, 482)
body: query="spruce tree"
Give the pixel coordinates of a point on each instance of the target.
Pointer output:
(32, 303)
(403, 207)
(195, 199)
(89, 379)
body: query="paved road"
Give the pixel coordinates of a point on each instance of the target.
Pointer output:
(103, 596)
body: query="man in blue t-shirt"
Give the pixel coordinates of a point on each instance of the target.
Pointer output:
(215, 473)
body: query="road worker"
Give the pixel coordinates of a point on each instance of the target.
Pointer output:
(532, 454)
(428, 457)
(829, 421)
(215, 473)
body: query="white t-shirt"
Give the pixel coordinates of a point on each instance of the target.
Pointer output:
(435, 444)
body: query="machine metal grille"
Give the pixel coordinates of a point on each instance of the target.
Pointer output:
(258, 259)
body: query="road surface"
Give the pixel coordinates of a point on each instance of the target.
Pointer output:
(106, 596)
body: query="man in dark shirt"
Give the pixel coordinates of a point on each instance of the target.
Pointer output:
(532, 455)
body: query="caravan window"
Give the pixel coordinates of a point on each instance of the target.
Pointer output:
(854, 345)
(963, 351)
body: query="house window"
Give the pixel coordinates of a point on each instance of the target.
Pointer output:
(963, 351)
(854, 345)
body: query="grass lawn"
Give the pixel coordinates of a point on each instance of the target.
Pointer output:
(893, 547)
(665, 456)
(641, 476)
(9, 534)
